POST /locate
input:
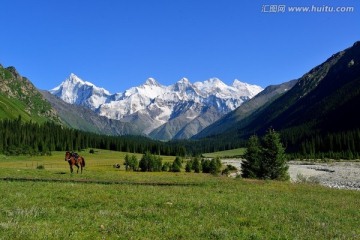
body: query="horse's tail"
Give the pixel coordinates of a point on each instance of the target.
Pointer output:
(83, 159)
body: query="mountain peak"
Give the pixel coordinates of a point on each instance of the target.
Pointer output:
(246, 88)
(75, 90)
(237, 83)
(184, 81)
(151, 82)
(73, 78)
(215, 81)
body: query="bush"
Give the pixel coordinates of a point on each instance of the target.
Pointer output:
(166, 167)
(131, 162)
(231, 168)
(40, 167)
(150, 163)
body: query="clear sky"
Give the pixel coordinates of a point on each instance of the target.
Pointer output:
(117, 44)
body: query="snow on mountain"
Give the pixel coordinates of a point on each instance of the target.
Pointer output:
(76, 91)
(246, 89)
(152, 104)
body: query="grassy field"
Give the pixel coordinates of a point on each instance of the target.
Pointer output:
(226, 154)
(107, 203)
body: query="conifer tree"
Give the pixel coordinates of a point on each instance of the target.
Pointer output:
(196, 166)
(265, 159)
(251, 165)
(215, 166)
(188, 166)
(176, 165)
(273, 163)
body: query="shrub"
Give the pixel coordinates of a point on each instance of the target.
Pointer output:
(166, 167)
(40, 167)
(150, 163)
(131, 162)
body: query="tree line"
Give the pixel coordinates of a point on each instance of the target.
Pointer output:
(19, 137)
(301, 143)
(27, 137)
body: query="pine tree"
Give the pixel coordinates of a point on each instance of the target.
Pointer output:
(273, 163)
(188, 166)
(127, 162)
(176, 165)
(196, 166)
(205, 165)
(265, 159)
(134, 163)
(215, 166)
(251, 165)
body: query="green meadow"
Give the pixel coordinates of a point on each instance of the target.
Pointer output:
(227, 153)
(109, 203)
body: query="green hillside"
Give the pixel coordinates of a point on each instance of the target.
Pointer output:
(12, 108)
(19, 97)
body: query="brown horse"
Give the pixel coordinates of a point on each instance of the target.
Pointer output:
(72, 160)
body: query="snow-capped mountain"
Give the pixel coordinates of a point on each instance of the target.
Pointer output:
(76, 91)
(161, 111)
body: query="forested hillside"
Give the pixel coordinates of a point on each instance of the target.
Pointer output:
(19, 137)
(318, 116)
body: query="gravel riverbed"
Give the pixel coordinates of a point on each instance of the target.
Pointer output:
(341, 175)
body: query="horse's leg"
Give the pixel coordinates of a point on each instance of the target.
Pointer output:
(81, 166)
(71, 169)
(77, 165)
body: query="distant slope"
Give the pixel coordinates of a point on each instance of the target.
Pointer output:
(319, 112)
(19, 97)
(183, 126)
(230, 120)
(199, 123)
(318, 98)
(84, 119)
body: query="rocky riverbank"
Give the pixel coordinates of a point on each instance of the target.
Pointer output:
(340, 175)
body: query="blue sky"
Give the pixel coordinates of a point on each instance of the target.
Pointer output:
(117, 44)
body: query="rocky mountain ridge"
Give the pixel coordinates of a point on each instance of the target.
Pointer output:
(162, 112)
